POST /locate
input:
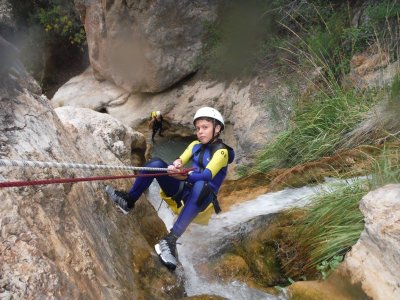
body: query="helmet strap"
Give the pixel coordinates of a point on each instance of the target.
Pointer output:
(213, 134)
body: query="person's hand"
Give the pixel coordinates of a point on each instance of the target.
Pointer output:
(176, 167)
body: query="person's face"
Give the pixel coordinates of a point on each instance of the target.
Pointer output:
(204, 130)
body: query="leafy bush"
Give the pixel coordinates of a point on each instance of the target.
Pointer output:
(63, 22)
(52, 40)
(326, 267)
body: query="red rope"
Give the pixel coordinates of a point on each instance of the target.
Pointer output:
(66, 180)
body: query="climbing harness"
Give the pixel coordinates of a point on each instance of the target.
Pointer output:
(39, 164)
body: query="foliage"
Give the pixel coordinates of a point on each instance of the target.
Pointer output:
(380, 13)
(319, 39)
(382, 26)
(58, 19)
(249, 35)
(326, 267)
(331, 225)
(395, 89)
(325, 41)
(61, 21)
(51, 38)
(317, 129)
(387, 167)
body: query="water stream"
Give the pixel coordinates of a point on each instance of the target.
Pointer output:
(199, 242)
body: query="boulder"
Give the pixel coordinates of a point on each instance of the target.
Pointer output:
(145, 46)
(374, 262)
(111, 138)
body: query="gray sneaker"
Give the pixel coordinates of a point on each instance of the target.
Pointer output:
(166, 250)
(121, 199)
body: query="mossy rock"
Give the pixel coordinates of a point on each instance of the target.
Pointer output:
(232, 266)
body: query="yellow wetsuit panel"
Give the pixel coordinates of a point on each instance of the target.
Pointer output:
(187, 154)
(218, 161)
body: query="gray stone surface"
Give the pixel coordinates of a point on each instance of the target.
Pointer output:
(145, 46)
(374, 262)
(67, 241)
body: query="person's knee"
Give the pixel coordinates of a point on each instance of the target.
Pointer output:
(201, 192)
(156, 163)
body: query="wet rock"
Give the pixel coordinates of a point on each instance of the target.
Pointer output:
(232, 267)
(249, 254)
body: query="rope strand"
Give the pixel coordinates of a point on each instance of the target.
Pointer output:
(67, 180)
(40, 164)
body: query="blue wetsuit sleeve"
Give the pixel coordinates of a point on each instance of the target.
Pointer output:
(194, 176)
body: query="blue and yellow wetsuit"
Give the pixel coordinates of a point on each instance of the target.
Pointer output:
(201, 187)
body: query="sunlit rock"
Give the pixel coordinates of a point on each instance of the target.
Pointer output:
(85, 91)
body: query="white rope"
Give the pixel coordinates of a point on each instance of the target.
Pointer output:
(40, 164)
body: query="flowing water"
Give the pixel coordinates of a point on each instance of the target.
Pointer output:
(199, 243)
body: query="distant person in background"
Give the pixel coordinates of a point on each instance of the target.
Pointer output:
(156, 124)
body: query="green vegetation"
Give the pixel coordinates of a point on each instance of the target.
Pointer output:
(320, 37)
(395, 90)
(61, 22)
(55, 19)
(326, 267)
(317, 128)
(331, 225)
(51, 39)
(387, 167)
(324, 36)
(249, 35)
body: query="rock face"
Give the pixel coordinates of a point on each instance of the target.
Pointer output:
(111, 138)
(247, 109)
(66, 241)
(371, 68)
(374, 262)
(145, 46)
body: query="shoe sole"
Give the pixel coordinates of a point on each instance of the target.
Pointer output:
(108, 190)
(121, 209)
(170, 266)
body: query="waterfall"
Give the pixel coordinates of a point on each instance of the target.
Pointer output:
(198, 243)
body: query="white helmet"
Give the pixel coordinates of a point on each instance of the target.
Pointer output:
(209, 112)
(158, 113)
